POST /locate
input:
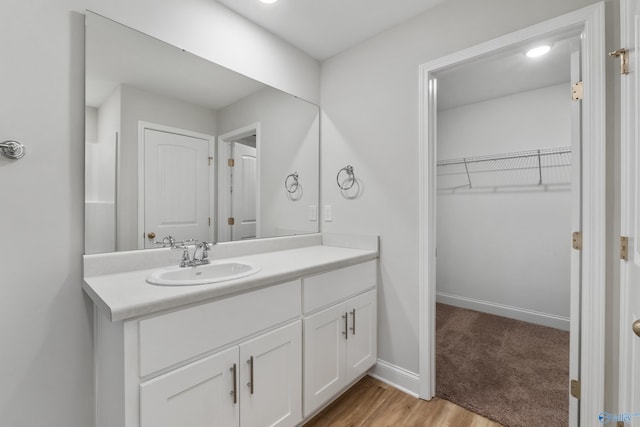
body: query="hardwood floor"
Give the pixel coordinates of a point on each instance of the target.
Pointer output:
(374, 403)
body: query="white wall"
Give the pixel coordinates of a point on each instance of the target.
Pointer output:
(46, 362)
(503, 248)
(289, 130)
(370, 119)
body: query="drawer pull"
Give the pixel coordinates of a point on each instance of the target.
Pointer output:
(250, 383)
(353, 327)
(234, 392)
(346, 326)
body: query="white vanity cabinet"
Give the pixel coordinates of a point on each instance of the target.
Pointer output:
(270, 355)
(234, 361)
(257, 383)
(340, 340)
(203, 393)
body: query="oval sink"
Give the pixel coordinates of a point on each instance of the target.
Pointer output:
(202, 274)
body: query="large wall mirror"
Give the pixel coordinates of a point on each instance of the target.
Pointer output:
(177, 145)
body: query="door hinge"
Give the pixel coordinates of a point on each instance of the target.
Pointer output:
(577, 240)
(577, 92)
(623, 54)
(209, 221)
(210, 159)
(231, 221)
(231, 163)
(624, 248)
(575, 389)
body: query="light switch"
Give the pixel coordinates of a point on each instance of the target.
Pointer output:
(313, 213)
(327, 213)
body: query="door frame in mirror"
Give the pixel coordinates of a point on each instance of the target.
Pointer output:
(224, 202)
(589, 22)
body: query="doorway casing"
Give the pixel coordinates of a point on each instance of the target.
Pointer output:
(589, 24)
(224, 198)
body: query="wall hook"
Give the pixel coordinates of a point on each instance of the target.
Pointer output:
(12, 149)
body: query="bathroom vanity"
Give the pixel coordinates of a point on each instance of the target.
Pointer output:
(272, 348)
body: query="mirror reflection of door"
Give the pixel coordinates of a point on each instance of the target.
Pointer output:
(176, 185)
(243, 181)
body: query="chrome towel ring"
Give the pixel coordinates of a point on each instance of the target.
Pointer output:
(291, 183)
(348, 182)
(12, 150)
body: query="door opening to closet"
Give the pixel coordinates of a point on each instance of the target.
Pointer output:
(508, 198)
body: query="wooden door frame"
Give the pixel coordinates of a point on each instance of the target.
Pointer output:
(223, 197)
(142, 126)
(589, 22)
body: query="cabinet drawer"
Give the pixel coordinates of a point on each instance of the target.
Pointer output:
(171, 338)
(327, 288)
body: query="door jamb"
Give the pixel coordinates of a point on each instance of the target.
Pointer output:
(223, 203)
(589, 21)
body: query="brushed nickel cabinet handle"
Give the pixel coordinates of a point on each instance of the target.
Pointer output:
(353, 327)
(250, 383)
(346, 325)
(234, 392)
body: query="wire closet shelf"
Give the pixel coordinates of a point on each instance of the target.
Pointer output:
(545, 166)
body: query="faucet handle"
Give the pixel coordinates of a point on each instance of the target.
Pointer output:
(167, 241)
(205, 250)
(185, 260)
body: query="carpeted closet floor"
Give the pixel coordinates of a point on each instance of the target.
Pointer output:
(512, 372)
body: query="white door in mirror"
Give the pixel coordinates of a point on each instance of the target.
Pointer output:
(176, 186)
(202, 274)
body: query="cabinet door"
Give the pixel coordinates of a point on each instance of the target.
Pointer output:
(197, 395)
(271, 378)
(362, 343)
(324, 349)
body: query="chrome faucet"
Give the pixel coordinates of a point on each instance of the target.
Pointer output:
(204, 248)
(200, 253)
(167, 242)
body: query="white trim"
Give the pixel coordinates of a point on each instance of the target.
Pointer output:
(227, 138)
(526, 315)
(142, 125)
(589, 22)
(395, 376)
(629, 155)
(223, 198)
(213, 188)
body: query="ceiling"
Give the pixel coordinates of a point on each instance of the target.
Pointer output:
(503, 74)
(323, 28)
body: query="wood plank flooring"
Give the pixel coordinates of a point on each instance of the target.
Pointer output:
(373, 403)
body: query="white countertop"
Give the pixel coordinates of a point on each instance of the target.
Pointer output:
(125, 295)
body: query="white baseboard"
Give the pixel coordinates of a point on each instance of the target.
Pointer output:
(517, 313)
(400, 378)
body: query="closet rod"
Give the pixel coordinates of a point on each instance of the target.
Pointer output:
(506, 156)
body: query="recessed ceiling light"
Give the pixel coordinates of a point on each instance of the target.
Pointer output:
(268, 1)
(538, 51)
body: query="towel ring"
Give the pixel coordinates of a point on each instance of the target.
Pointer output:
(291, 183)
(12, 149)
(351, 177)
